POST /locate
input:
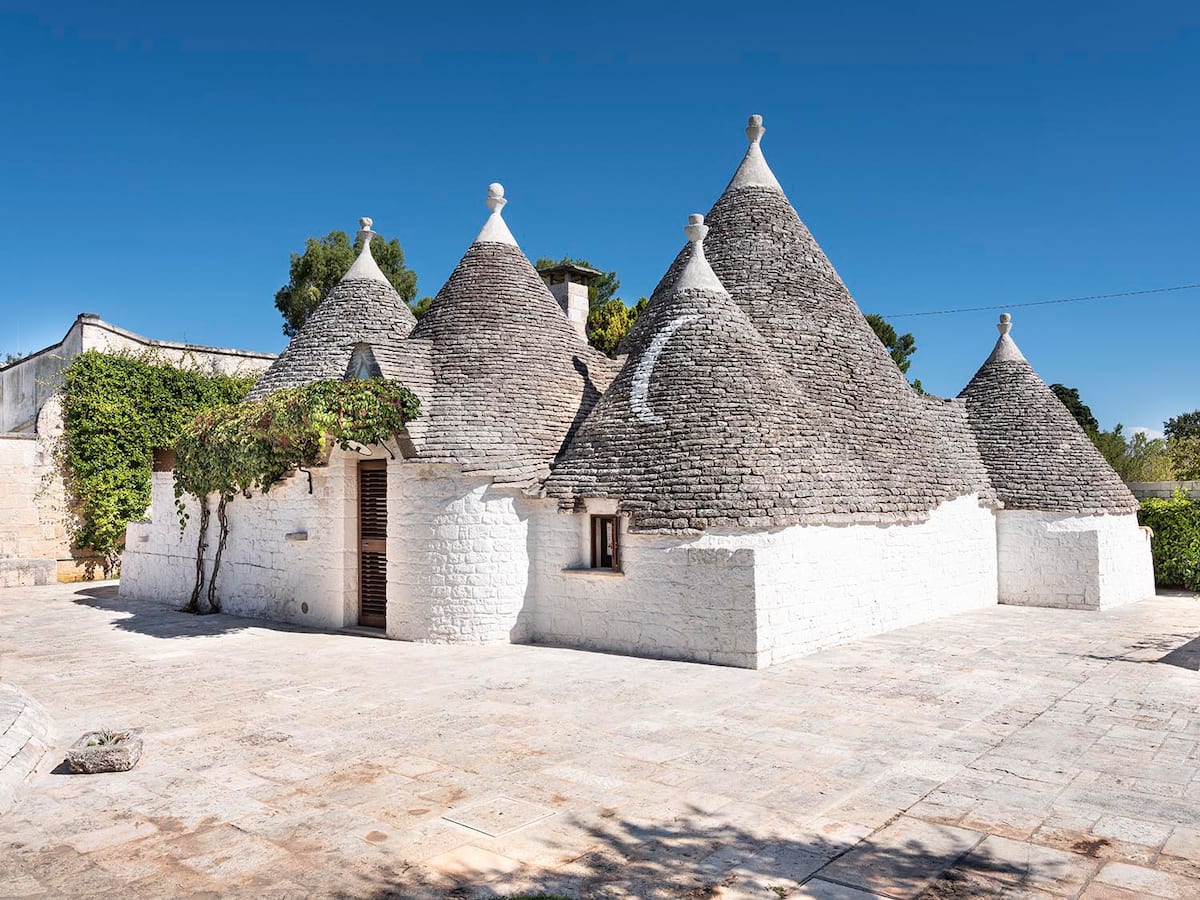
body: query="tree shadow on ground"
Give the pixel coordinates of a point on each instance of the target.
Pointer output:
(697, 857)
(1181, 650)
(162, 620)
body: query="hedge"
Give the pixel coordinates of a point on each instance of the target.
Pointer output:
(1176, 541)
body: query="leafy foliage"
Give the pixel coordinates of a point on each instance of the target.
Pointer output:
(322, 265)
(1184, 425)
(1176, 541)
(900, 346)
(116, 409)
(609, 322)
(1184, 456)
(1136, 458)
(235, 450)
(1069, 397)
(421, 307)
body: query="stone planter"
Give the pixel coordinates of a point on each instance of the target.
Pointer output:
(88, 757)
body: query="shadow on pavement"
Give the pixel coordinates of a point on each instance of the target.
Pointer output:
(163, 621)
(1182, 650)
(691, 859)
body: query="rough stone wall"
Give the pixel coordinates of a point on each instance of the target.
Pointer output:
(1072, 562)
(458, 556)
(32, 524)
(267, 571)
(822, 585)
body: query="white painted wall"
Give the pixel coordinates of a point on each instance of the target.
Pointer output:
(823, 585)
(458, 556)
(755, 598)
(264, 573)
(675, 598)
(1072, 562)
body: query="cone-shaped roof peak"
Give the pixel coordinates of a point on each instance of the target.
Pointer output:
(754, 171)
(1006, 347)
(364, 266)
(361, 310)
(1036, 454)
(495, 229)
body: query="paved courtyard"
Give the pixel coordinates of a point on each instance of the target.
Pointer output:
(1010, 752)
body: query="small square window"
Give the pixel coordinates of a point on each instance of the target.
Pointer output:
(606, 543)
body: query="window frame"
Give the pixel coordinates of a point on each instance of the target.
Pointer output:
(596, 531)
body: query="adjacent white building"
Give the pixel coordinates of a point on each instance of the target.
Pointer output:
(752, 479)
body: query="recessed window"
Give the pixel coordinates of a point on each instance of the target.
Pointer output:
(606, 552)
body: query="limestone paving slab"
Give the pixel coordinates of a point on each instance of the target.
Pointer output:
(1007, 752)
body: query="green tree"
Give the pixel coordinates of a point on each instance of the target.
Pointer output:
(1077, 408)
(1136, 458)
(900, 346)
(1184, 425)
(10, 358)
(1184, 453)
(421, 307)
(323, 263)
(608, 323)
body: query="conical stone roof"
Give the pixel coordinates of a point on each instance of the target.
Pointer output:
(703, 427)
(1037, 455)
(503, 377)
(362, 308)
(779, 276)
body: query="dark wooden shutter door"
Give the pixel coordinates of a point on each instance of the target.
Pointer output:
(372, 544)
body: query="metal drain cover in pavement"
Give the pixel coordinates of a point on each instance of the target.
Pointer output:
(498, 816)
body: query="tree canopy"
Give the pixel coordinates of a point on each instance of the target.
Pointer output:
(323, 263)
(1077, 408)
(900, 346)
(1184, 425)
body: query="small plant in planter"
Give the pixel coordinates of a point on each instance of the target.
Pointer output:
(105, 751)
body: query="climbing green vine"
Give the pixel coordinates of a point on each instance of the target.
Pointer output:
(117, 408)
(234, 450)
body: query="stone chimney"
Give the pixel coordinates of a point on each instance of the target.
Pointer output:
(569, 285)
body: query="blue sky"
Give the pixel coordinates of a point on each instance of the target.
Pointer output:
(158, 163)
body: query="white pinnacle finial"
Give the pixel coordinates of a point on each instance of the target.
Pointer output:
(1005, 324)
(495, 198)
(755, 129)
(365, 266)
(695, 229)
(1006, 348)
(697, 273)
(495, 230)
(754, 171)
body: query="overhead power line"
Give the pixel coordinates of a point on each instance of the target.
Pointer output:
(966, 309)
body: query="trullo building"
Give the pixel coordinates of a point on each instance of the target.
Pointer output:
(751, 479)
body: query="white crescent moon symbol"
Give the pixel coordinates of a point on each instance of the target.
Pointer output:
(645, 368)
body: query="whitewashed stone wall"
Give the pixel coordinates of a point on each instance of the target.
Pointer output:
(753, 599)
(1072, 562)
(458, 556)
(675, 598)
(822, 585)
(290, 557)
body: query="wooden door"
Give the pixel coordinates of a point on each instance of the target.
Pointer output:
(372, 543)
